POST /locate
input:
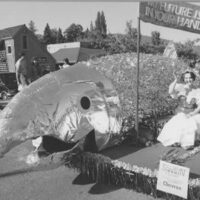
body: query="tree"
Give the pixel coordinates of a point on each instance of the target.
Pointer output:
(155, 38)
(86, 33)
(130, 30)
(73, 32)
(103, 25)
(91, 27)
(60, 38)
(95, 37)
(186, 51)
(32, 27)
(54, 33)
(91, 33)
(130, 38)
(98, 23)
(47, 36)
(40, 37)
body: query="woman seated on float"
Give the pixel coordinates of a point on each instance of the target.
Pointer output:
(183, 128)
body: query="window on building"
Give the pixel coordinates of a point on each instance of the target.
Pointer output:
(24, 41)
(9, 49)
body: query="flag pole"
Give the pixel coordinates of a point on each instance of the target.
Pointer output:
(137, 83)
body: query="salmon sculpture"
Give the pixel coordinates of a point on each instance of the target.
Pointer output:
(66, 105)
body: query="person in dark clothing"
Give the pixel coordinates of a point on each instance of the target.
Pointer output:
(36, 69)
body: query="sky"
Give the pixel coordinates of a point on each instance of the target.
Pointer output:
(61, 14)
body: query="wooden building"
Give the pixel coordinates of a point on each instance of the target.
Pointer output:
(14, 41)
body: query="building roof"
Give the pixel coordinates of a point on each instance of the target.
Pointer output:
(77, 54)
(52, 48)
(71, 53)
(10, 32)
(86, 53)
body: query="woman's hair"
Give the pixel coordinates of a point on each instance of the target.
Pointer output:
(192, 74)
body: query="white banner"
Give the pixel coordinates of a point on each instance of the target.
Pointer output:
(178, 15)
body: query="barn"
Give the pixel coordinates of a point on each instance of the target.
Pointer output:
(14, 41)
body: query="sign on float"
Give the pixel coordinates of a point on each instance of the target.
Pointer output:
(173, 179)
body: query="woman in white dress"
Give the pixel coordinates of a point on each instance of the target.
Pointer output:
(184, 127)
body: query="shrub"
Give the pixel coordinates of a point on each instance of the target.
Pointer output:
(156, 73)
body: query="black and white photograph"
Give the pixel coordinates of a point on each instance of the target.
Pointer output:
(99, 100)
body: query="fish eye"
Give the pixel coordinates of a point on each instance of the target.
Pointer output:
(85, 103)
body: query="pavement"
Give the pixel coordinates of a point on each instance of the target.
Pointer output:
(67, 184)
(57, 184)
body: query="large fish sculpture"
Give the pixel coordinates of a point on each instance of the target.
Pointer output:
(66, 105)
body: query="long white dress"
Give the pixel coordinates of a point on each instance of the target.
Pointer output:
(181, 128)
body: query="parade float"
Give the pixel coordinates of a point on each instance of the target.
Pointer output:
(154, 104)
(72, 102)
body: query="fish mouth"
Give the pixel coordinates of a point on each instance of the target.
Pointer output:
(50, 145)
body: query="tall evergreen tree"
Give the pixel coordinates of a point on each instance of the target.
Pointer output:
(98, 23)
(54, 33)
(91, 27)
(32, 27)
(60, 38)
(103, 25)
(47, 36)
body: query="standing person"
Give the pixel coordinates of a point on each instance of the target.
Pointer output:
(182, 128)
(21, 72)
